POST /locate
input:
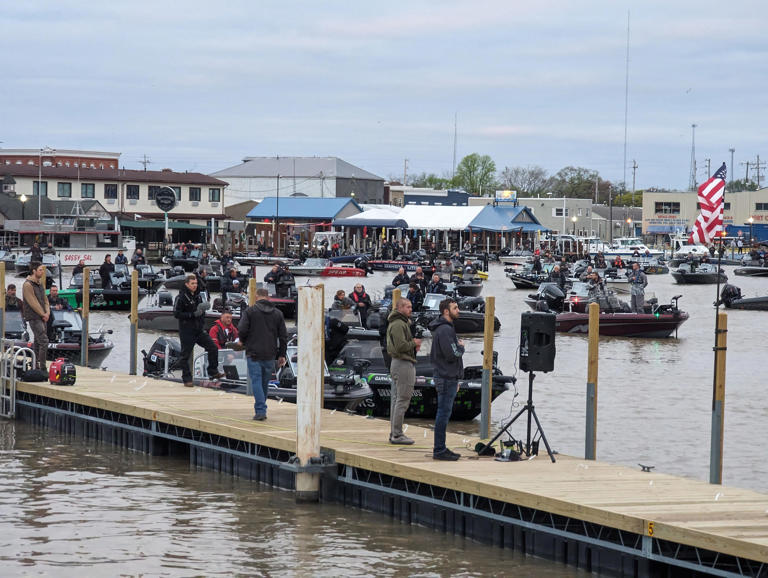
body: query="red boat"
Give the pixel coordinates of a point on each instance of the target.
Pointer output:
(624, 324)
(325, 268)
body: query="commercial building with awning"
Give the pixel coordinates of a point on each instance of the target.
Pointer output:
(378, 217)
(506, 219)
(437, 218)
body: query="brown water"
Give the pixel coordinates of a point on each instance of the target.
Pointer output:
(72, 506)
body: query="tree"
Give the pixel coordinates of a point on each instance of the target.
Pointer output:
(476, 174)
(742, 185)
(530, 181)
(430, 181)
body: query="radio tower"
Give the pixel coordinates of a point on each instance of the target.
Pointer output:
(692, 180)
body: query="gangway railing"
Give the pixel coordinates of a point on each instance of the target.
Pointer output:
(14, 360)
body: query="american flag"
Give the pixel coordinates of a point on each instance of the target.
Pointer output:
(710, 219)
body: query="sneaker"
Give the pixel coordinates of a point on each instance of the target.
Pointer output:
(259, 417)
(401, 440)
(189, 384)
(446, 456)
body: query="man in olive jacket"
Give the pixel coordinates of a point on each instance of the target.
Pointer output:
(37, 311)
(402, 347)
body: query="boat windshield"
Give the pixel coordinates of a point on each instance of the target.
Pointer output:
(316, 263)
(349, 317)
(233, 363)
(14, 324)
(71, 317)
(77, 280)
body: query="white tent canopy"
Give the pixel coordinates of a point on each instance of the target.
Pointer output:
(439, 218)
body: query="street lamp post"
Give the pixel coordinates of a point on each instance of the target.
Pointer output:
(573, 220)
(23, 200)
(629, 228)
(750, 220)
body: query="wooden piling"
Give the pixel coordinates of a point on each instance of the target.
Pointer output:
(251, 291)
(396, 295)
(590, 446)
(134, 321)
(718, 402)
(486, 394)
(310, 389)
(84, 313)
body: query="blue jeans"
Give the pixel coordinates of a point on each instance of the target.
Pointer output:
(259, 374)
(446, 394)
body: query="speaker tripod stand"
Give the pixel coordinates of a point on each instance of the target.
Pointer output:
(531, 411)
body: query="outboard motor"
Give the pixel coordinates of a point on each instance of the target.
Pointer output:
(154, 360)
(552, 295)
(729, 294)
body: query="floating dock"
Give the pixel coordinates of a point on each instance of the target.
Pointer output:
(595, 516)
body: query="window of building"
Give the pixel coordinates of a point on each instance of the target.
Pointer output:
(40, 187)
(726, 206)
(64, 190)
(153, 190)
(87, 190)
(558, 211)
(177, 190)
(761, 206)
(194, 194)
(667, 208)
(214, 195)
(132, 192)
(110, 191)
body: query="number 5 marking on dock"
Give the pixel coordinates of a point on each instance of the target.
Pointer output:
(649, 529)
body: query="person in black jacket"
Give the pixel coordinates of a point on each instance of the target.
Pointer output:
(273, 275)
(263, 333)
(447, 367)
(415, 297)
(228, 284)
(557, 276)
(36, 253)
(362, 302)
(106, 268)
(401, 278)
(420, 279)
(189, 308)
(437, 285)
(121, 259)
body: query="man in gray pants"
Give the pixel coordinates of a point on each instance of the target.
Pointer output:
(402, 347)
(638, 281)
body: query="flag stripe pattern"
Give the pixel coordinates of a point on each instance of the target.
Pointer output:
(710, 219)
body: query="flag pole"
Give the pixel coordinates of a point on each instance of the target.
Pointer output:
(716, 436)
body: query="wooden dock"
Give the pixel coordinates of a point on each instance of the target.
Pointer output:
(595, 515)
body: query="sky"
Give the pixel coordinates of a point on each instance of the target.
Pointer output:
(197, 86)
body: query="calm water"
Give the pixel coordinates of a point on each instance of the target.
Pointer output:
(71, 504)
(72, 507)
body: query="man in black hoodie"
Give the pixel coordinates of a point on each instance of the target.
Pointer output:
(447, 368)
(262, 332)
(189, 309)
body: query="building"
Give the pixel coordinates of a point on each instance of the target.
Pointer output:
(127, 194)
(401, 196)
(325, 177)
(671, 212)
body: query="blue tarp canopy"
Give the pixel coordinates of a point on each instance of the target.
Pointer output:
(304, 208)
(506, 219)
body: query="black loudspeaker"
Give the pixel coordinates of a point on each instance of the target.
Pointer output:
(537, 341)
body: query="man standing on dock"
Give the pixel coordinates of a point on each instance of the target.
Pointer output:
(189, 309)
(263, 333)
(638, 282)
(37, 311)
(402, 348)
(447, 366)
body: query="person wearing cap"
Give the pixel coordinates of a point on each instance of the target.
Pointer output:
(228, 283)
(78, 270)
(224, 331)
(138, 258)
(107, 267)
(121, 259)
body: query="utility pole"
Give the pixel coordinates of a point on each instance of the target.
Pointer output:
(145, 161)
(692, 180)
(746, 176)
(455, 133)
(759, 167)
(731, 150)
(405, 172)
(634, 171)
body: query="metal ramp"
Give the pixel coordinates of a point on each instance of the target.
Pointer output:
(13, 360)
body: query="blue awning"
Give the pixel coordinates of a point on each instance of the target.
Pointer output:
(502, 219)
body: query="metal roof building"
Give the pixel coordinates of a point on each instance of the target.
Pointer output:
(259, 177)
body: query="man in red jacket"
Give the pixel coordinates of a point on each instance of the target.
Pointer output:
(223, 331)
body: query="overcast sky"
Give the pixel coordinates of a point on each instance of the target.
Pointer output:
(199, 85)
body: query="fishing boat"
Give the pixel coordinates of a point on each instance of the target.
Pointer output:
(527, 278)
(468, 321)
(751, 271)
(65, 336)
(395, 264)
(731, 297)
(623, 247)
(115, 298)
(149, 278)
(519, 257)
(52, 264)
(316, 267)
(251, 259)
(176, 277)
(693, 273)
(657, 321)
(353, 258)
